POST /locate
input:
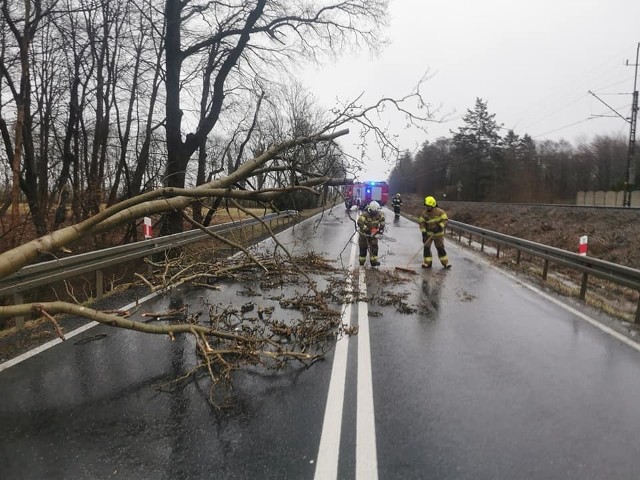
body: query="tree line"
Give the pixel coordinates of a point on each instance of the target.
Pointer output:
(477, 163)
(103, 101)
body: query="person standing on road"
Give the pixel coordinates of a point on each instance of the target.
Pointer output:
(432, 222)
(370, 224)
(397, 203)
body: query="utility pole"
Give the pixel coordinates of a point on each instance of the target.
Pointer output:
(631, 173)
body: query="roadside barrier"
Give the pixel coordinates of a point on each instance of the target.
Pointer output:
(612, 272)
(45, 273)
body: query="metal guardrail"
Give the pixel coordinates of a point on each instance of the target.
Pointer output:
(44, 273)
(451, 202)
(612, 272)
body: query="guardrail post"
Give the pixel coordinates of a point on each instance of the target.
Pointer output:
(583, 286)
(17, 300)
(628, 277)
(99, 284)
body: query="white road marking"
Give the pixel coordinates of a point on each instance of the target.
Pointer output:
(583, 316)
(618, 336)
(77, 331)
(71, 334)
(366, 453)
(329, 450)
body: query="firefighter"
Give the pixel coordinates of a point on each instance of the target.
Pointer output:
(432, 222)
(397, 203)
(370, 225)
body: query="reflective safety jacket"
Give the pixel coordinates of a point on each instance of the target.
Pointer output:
(370, 223)
(396, 202)
(433, 221)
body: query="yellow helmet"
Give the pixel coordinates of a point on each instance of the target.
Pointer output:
(430, 201)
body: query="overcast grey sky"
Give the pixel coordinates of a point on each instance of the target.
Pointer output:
(532, 61)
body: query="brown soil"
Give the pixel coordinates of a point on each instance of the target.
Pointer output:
(612, 233)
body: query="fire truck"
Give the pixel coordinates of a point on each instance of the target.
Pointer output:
(363, 193)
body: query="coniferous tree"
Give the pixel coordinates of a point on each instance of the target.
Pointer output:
(476, 147)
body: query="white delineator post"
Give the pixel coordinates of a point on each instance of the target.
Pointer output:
(148, 233)
(582, 249)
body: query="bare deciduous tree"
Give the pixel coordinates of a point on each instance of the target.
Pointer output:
(242, 38)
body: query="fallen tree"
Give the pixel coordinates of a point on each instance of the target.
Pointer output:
(227, 338)
(164, 200)
(216, 77)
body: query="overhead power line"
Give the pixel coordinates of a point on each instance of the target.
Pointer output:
(540, 119)
(563, 127)
(610, 107)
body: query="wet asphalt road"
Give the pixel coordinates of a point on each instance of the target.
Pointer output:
(487, 379)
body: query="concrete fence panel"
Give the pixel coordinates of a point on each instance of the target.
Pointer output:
(589, 198)
(598, 198)
(610, 198)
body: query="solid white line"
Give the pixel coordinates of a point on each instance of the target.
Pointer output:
(329, 450)
(71, 334)
(366, 453)
(583, 316)
(77, 331)
(579, 314)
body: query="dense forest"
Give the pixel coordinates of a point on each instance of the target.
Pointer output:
(478, 163)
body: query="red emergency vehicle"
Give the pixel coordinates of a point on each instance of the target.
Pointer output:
(363, 193)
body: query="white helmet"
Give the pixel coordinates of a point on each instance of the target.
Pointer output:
(373, 206)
